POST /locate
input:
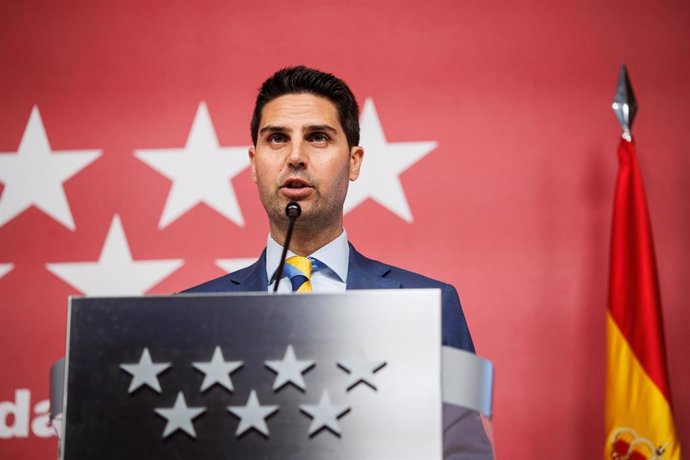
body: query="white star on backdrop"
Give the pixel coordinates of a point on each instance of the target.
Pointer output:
(33, 176)
(5, 269)
(289, 370)
(217, 370)
(361, 370)
(383, 163)
(325, 414)
(252, 415)
(180, 416)
(145, 372)
(232, 265)
(115, 273)
(201, 172)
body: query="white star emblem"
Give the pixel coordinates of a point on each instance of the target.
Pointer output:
(115, 273)
(289, 370)
(232, 265)
(5, 269)
(252, 415)
(33, 176)
(361, 371)
(201, 172)
(384, 162)
(145, 372)
(180, 417)
(217, 370)
(325, 414)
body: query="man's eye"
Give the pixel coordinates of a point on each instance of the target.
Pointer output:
(276, 138)
(319, 137)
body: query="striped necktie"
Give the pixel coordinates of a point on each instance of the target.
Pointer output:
(298, 269)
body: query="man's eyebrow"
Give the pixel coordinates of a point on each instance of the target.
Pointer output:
(309, 129)
(273, 129)
(328, 128)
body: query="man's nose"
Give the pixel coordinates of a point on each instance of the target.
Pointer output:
(297, 157)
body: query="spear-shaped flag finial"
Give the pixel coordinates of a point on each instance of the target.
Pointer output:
(624, 103)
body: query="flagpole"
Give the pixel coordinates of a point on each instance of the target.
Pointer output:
(639, 416)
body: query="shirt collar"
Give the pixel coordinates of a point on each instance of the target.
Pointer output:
(335, 255)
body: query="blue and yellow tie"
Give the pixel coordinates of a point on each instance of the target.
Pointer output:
(299, 269)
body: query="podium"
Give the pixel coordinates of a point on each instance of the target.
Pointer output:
(356, 375)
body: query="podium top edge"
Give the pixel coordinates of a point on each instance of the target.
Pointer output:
(357, 292)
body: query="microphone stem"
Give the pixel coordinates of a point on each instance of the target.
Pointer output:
(281, 266)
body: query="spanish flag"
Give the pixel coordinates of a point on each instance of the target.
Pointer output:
(639, 415)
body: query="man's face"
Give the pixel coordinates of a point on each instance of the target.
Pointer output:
(302, 155)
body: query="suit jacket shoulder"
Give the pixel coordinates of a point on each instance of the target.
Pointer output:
(363, 272)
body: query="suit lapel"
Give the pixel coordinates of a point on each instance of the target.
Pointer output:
(364, 273)
(252, 278)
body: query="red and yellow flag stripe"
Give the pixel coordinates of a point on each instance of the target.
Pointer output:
(639, 415)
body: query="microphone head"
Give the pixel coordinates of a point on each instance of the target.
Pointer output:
(293, 210)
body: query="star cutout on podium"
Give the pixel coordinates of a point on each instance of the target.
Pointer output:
(201, 172)
(217, 371)
(115, 272)
(180, 416)
(5, 269)
(145, 372)
(252, 415)
(384, 162)
(289, 370)
(34, 175)
(361, 371)
(324, 415)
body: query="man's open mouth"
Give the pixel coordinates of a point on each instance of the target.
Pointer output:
(296, 189)
(295, 183)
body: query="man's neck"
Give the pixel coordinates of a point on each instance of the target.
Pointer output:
(305, 241)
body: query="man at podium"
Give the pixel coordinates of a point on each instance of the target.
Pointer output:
(305, 131)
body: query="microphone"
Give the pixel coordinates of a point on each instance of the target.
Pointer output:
(292, 211)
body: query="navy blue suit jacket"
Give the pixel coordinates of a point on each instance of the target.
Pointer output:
(363, 273)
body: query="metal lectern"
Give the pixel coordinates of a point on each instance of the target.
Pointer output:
(357, 375)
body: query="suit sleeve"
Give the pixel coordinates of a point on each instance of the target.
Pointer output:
(456, 333)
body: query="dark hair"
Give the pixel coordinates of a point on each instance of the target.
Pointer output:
(301, 79)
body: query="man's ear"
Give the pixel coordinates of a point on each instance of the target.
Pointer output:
(251, 163)
(356, 157)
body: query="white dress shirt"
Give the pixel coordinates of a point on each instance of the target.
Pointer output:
(335, 257)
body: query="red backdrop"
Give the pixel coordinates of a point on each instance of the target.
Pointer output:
(513, 205)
